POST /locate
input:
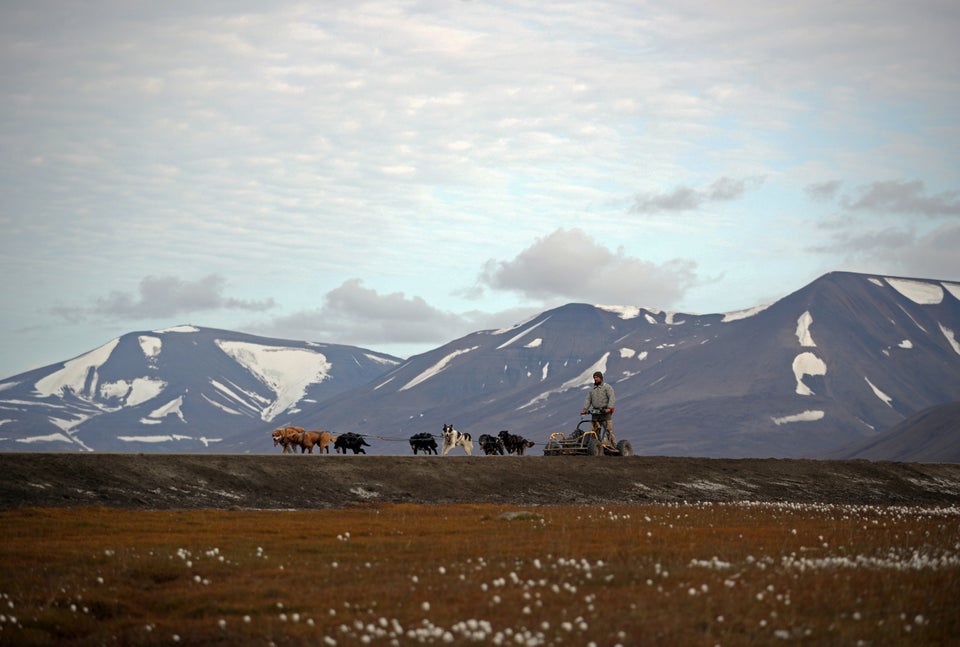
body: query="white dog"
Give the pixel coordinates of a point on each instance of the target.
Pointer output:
(453, 438)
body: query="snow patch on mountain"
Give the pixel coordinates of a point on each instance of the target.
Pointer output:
(184, 328)
(880, 394)
(906, 343)
(230, 393)
(737, 315)
(133, 392)
(522, 334)
(48, 438)
(536, 343)
(516, 326)
(803, 330)
(172, 408)
(152, 439)
(920, 292)
(577, 382)
(806, 416)
(381, 360)
(671, 319)
(951, 338)
(952, 288)
(285, 371)
(624, 312)
(222, 407)
(915, 322)
(166, 438)
(436, 368)
(79, 375)
(66, 426)
(807, 364)
(150, 346)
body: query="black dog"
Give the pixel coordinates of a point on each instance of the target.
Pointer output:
(423, 442)
(515, 444)
(350, 440)
(491, 444)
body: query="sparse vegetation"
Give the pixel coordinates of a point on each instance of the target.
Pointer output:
(663, 574)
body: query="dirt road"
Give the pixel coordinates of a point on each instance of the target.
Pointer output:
(178, 481)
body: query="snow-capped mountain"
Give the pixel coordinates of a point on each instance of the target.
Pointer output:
(180, 389)
(841, 360)
(837, 362)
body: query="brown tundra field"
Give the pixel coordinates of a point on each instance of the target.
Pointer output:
(385, 550)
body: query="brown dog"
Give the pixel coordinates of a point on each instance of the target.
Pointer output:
(320, 438)
(291, 436)
(285, 436)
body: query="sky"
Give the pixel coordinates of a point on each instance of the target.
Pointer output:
(395, 175)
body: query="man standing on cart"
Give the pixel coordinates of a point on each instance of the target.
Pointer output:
(599, 404)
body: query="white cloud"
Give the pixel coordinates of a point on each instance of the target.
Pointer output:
(291, 151)
(569, 264)
(684, 198)
(164, 296)
(905, 197)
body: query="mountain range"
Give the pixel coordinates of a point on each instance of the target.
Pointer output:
(181, 389)
(829, 368)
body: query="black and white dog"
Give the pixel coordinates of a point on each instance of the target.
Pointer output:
(453, 438)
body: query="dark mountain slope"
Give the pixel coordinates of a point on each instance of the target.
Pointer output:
(930, 436)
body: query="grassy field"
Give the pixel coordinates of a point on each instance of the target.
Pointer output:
(684, 574)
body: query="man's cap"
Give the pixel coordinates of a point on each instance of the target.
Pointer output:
(598, 374)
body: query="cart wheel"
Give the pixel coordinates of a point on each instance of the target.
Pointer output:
(593, 446)
(625, 448)
(552, 448)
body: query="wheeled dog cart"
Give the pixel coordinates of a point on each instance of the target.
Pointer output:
(590, 441)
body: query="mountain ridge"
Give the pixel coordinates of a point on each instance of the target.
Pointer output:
(831, 365)
(183, 387)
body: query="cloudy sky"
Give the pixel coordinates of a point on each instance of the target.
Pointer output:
(395, 175)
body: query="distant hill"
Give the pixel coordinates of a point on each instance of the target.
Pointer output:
(834, 364)
(930, 436)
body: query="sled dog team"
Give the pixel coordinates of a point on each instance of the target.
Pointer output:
(291, 437)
